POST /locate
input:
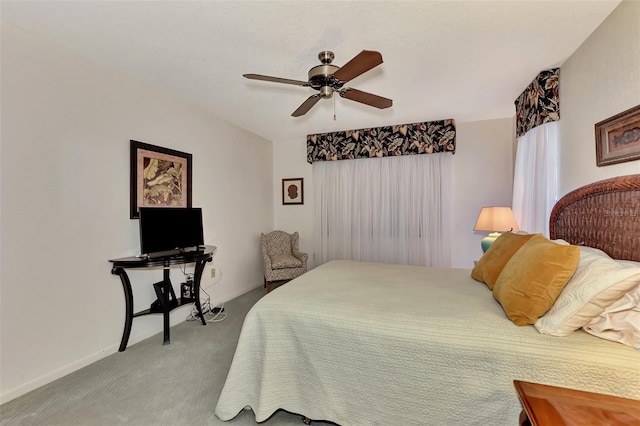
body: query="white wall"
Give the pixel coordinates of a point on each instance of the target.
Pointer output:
(482, 176)
(290, 161)
(66, 126)
(600, 79)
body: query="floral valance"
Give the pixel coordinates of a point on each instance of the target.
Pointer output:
(387, 141)
(539, 103)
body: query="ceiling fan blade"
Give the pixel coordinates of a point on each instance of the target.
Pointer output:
(361, 63)
(306, 105)
(275, 79)
(366, 98)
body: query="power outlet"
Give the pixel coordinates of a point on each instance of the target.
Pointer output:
(213, 272)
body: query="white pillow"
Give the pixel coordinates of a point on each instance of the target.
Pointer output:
(597, 283)
(620, 322)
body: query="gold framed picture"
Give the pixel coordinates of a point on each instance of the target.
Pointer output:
(618, 138)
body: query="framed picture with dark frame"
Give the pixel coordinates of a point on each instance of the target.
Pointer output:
(293, 191)
(618, 138)
(160, 177)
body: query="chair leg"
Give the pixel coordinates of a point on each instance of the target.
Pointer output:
(265, 282)
(268, 286)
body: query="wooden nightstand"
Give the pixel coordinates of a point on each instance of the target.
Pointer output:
(553, 406)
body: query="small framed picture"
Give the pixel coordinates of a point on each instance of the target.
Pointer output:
(293, 191)
(618, 138)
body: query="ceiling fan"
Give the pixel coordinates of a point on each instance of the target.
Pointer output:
(328, 78)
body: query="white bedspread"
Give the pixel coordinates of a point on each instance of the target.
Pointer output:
(373, 344)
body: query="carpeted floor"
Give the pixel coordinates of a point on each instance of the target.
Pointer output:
(149, 384)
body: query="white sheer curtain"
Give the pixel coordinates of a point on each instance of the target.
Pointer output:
(535, 182)
(391, 209)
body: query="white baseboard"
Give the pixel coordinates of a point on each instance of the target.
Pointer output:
(56, 374)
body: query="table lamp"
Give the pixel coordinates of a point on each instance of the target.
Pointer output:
(495, 220)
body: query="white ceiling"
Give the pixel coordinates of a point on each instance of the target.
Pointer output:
(466, 60)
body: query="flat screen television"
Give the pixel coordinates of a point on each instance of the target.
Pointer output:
(165, 229)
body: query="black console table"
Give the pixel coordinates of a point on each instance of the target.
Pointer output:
(165, 302)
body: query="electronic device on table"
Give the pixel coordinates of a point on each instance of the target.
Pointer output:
(168, 230)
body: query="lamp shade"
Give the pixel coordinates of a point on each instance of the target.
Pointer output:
(496, 219)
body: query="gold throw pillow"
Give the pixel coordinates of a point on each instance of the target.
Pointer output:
(534, 277)
(491, 263)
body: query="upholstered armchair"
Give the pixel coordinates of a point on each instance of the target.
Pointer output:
(281, 256)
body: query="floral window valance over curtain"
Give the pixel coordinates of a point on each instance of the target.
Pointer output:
(539, 103)
(405, 139)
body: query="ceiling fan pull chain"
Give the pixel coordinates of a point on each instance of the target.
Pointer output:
(334, 108)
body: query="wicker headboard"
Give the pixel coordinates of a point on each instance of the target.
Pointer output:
(604, 215)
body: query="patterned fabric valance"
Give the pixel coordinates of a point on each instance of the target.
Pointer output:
(404, 139)
(539, 103)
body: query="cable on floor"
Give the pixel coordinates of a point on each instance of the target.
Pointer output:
(210, 313)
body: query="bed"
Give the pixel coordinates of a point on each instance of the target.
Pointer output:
(359, 343)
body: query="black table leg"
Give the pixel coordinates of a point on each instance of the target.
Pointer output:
(165, 305)
(196, 286)
(128, 306)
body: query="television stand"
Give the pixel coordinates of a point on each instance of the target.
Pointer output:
(166, 300)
